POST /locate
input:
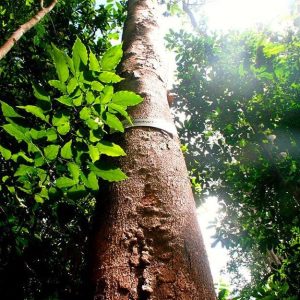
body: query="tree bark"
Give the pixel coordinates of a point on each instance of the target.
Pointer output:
(147, 242)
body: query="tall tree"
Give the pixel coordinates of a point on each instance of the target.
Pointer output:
(147, 243)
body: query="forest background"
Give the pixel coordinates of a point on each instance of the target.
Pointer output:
(241, 143)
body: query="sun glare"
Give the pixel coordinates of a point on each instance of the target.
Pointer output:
(244, 14)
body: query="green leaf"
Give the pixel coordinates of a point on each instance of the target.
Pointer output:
(44, 193)
(72, 85)
(61, 121)
(8, 111)
(37, 134)
(40, 93)
(66, 100)
(64, 182)
(70, 64)
(94, 153)
(85, 113)
(53, 192)
(78, 100)
(97, 86)
(90, 98)
(107, 172)
(114, 35)
(25, 170)
(66, 150)
(64, 128)
(120, 109)
(110, 149)
(111, 58)
(23, 155)
(109, 77)
(94, 64)
(74, 170)
(11, 189)
(126, 98)
(39, 160)
(84, 179)
(92, 124)
(60, 63)
(32, 148)
(36, 111)
(51, 135)
(38, 198)
(17, 132)
(113, 122)
(58, 85)
(273, 49)
(79, 54)
(51, 151)
(95, 138)
(107, 94)
(5, 153)
(60, 118)
(5, 178)
(93, 181)
(174, 9)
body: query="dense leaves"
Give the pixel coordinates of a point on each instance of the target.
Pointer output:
(95, 25)
(69, 117)
(238, 115)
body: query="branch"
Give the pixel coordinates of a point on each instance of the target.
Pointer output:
(186, 8)
(4, 49)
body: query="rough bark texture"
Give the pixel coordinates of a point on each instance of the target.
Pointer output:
(147, 242)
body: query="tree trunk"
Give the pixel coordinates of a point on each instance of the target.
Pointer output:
(147, 243)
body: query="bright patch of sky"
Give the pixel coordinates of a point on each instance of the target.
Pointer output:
(217, 255)
(98, 2)
(244, 14)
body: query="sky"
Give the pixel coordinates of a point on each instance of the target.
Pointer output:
(217, 255)
(243, 14)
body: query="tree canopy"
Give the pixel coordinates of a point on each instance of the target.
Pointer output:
(238, 116)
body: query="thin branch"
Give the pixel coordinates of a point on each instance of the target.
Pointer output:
(4, 49)
(185, 7)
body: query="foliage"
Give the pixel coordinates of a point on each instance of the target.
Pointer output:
(239, 94)
(96, 27)
(61, 155)
(223, 291)
(54, 145)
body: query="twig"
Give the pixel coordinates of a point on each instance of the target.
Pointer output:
(186, 8)
(4, 49)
